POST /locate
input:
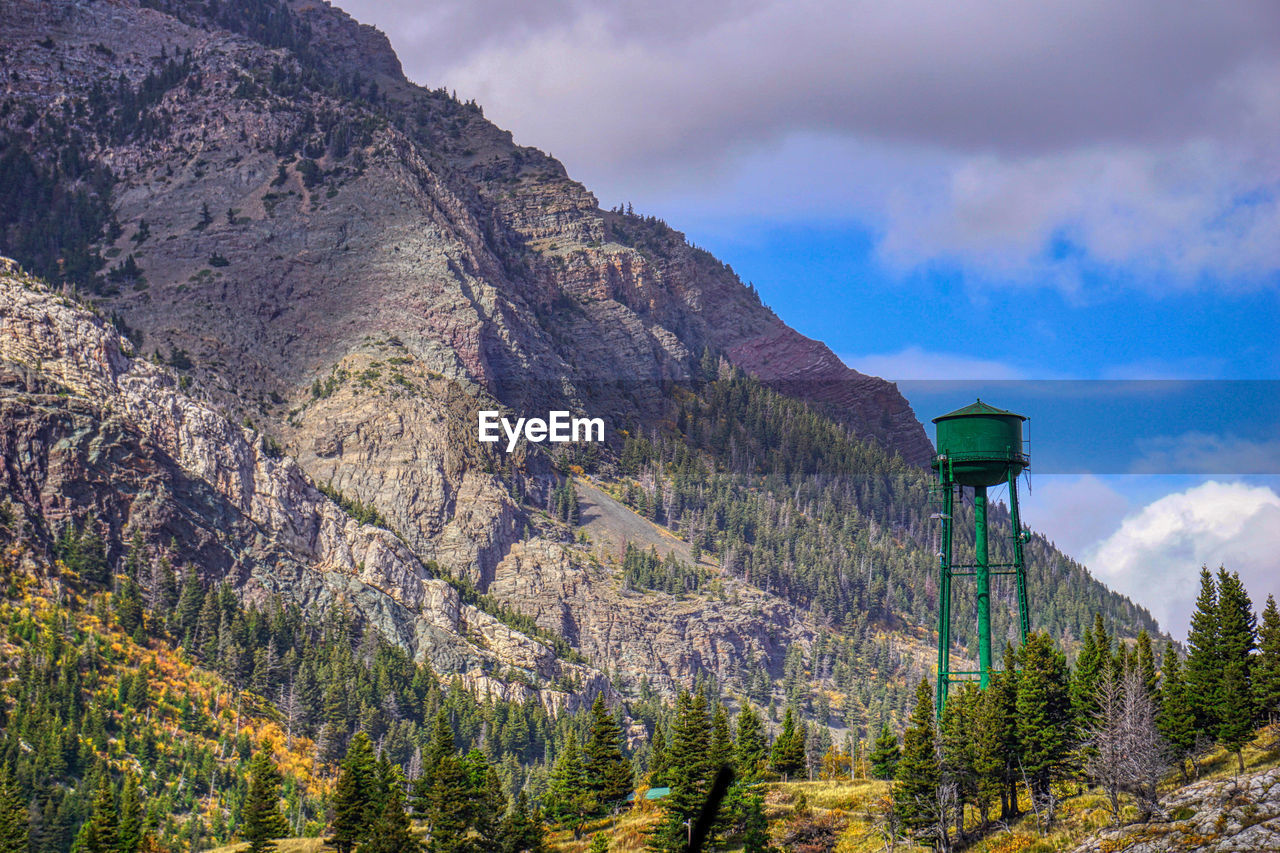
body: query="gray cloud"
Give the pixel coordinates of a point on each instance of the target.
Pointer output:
(1133, 129)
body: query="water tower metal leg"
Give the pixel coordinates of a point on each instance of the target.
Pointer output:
(944, 597)
(1020, 567)
(982, 574)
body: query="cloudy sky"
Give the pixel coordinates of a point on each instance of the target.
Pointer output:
(964, 190)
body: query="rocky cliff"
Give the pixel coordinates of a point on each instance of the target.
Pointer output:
(90, 428)
(1238, 815)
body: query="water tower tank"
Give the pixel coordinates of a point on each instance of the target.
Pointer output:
(982, 445)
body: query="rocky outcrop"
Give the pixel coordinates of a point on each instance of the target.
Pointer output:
(1238, 815)
(89, 429)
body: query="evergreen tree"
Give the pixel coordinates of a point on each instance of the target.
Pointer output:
(1146, 663)
(130, 816)
(521, 829)
(449, 808)
(788, 757)
(607, 771)
(261, 821)
(885, 754)
(568, 800)
(755, 835)
(599, 843)
(658, 770)
(1237, 639)
(190, 603)
(750, 747)
(722, 747)
(990, 754)
(1203, 671)
(1090, 664)
(14, 827)
(128, 606)
(689, 770)
(392, 831)
(956, 744)
(1044, 712)
(353, 795)
(486, 799)
(915, 790)
(1176, 719)
(1266, 670)
(101, 832)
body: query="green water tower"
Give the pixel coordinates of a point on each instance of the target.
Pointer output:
(978, 446)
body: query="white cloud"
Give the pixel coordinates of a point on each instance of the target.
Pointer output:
(1156, 554)
(914, 362)
(1075, 512)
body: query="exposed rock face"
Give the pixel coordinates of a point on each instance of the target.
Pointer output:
(87, 427)
(1224, 816)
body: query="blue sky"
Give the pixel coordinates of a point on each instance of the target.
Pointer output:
(1077, 191)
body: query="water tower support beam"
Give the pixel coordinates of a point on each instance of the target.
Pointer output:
(1019, 564)
(982, 575)
(944, 594)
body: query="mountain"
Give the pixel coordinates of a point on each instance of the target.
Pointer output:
(281, 281)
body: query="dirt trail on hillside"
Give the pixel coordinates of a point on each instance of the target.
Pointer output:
(611, 525)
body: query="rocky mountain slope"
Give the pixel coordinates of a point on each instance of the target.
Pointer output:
(285, 233)
(1238, 815)
(90, 428)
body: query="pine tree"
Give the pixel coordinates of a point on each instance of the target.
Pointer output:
(101, 832)
(1237, 640)
(130, 816)
(1203, 671)
(1146, 664)
(755, 835)
(989, 748)
(915, 790)
(750, 747)
(128, 606)
(957, 735)
(885, 754)
(1176, 719)
(190, 603)
(1084, 677)
(14, 827)
(568, 800)
(722, 747)
(260, 818)
(521, 829)
(1044, 712)
(486, 799)
(449, 808)
(607, 771)
(352, 797)
(392, 831)
(1266, 670)
(658, 775)
(689, 769)
(599, 843)
(787, 756)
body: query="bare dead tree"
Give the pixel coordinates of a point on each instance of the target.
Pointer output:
(1126, 753)
(1146, 753)
(1104, 755)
